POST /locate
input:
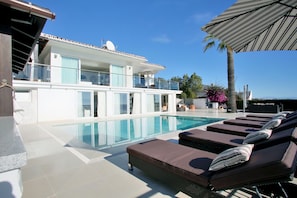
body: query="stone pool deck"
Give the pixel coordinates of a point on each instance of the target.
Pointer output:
(57, 170)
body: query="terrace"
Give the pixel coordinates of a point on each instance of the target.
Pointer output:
(43, 73)
(56, 169)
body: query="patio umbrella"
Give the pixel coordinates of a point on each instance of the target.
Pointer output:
(254, 25)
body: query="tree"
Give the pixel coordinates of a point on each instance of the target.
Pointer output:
(189, 85)
(211, 42)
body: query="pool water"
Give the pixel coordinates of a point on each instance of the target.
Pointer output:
(105, 134)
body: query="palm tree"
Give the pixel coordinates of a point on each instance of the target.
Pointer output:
(211, 42)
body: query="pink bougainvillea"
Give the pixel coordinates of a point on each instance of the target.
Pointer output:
(216, 94)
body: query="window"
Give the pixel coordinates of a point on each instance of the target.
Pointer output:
(69, 70)
(120, 103)
(153, 103)
(84, 104)
(118, 76)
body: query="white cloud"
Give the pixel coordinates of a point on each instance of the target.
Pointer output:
(162, 39)
(202, 17)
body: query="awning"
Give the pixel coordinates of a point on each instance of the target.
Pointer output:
(254, 25)
(24, 22)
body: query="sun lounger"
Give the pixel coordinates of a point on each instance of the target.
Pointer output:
(272, 164)
(248, 123)
(254, 119)
(231, 129)
(257, 124)
(257, 115)
(265, 118)
(245, 130)
(267, 115)
(217, 142)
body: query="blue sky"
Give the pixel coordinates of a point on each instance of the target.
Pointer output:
(168, 32)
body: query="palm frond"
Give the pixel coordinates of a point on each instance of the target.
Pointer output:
(222, 46)
(211, 42)
(209, 45)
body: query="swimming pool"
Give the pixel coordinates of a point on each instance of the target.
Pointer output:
(105, 134)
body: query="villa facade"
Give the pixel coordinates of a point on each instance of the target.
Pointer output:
(67, 80)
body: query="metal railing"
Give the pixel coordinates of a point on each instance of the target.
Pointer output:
(43, 73)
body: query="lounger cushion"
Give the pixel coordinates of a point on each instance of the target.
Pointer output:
(272, 124)
(272, 164)
(280, 115)
(231, 157)
(257, 136)
(191, 164)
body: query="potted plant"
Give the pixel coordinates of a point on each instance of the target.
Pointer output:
(216, 95)
(192, 106)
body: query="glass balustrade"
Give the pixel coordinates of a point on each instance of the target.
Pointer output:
(43, 73)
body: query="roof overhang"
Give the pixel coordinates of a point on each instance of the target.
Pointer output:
(94, 56)
(24, 22)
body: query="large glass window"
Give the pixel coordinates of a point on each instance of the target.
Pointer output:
(153, 103)
(120, 103)
(84, 104)
(118, 76)
(70, 68)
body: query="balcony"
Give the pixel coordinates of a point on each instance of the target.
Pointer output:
(43, 73)
(95, 77)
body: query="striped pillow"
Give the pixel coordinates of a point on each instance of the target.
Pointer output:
(257, 136)
(231, 157)
(272, 124)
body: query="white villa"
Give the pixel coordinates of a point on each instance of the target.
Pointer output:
(66, 80)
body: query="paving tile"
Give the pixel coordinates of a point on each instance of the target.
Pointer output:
(72, 179)
(31, 173)
(38, 188)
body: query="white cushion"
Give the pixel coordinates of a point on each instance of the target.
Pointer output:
(279, 116)
(256, 136)
(231, 157)
(272, 124)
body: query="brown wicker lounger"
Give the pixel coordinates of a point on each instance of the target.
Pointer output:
(217, 142)
(231, 129)
(254, 119)
(256, 124)
(257, 115)
(269, 115)
(272, 164)
(264, 118)
(248, 123)
(245, 130)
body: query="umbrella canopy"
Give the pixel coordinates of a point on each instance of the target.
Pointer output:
(254, 25)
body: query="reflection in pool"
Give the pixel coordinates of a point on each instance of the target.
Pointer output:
(104, 134)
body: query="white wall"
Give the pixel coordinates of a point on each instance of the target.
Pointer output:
(57, 104)
(56, 72)
(143, 103)
(171, 103)
(52, 102)
(129, 76)
(26, 106)
(200, 103)
(101, 105)
(109, 103)
(136, 103)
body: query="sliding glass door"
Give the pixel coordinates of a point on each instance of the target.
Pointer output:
(153, 103)
(85, 101)
(118, 76)
(120, 103)
(70, 67)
